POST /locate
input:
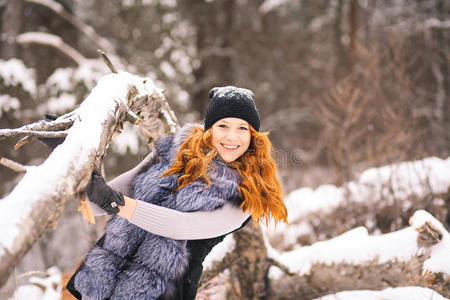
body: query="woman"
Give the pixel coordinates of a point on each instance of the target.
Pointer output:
(205, 182)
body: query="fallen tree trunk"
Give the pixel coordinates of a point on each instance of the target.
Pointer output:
(38, 200)
(414, 256)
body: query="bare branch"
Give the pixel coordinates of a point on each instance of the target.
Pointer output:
(13, 165)
(280, 266)
(41, 125)
(107, 61)
(83, 27)
(22, 142)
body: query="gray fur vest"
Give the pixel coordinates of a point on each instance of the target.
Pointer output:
(132, 263)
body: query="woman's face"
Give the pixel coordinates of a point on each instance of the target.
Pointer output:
(231, 138)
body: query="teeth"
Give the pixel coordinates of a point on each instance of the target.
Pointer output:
(230, 147)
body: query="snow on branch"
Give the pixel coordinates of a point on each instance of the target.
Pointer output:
(355, 260)
(52, 40)
(40, 128)
(9, 133)
(367, 201)
(436, 23)
(39, 198)
(13, 165)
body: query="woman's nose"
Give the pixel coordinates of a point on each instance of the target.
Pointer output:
(231, 136)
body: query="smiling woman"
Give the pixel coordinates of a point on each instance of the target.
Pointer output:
(172, 209)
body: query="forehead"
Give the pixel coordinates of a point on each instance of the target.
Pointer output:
(233, 121)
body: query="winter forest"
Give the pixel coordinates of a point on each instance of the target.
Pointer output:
(354, 95)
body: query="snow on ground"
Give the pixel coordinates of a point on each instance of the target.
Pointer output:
(439, 260)
(219, 252)
(41, 288)
(400, 293)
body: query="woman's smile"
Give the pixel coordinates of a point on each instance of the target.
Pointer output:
(230, 147)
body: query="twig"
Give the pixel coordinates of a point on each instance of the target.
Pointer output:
(10, 133)
(280, 266)
(22, 142)
(63, 122)
(31, 273)
(107, 61)
(13, 165)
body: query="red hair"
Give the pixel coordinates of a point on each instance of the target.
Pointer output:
(259, 188)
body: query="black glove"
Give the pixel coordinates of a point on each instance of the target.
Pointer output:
(101, 194)
(51, 143)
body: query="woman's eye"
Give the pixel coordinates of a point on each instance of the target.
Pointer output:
(244, 128)
(222, 126)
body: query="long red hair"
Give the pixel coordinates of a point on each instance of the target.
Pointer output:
(259, 188)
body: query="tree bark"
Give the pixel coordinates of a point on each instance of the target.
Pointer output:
(11, 27)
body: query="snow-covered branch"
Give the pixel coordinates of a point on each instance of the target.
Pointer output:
(52, 40)
(356, 260)
(10, 133)
(12, 165)
(381, 199)
(436, 23)
(38, 199)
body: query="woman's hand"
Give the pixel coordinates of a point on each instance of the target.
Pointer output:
(51, 143)
(101, 194)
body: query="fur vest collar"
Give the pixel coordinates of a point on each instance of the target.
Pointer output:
(135, 264)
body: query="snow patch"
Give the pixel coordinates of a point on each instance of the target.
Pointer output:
(439, 261)
(8, 103)
(400, 293)
(219, 251)
(14, 73)
(128, 139)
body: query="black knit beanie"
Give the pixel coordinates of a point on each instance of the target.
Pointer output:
(231, 102)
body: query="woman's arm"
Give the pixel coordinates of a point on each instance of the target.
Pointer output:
(168, 222)
(179, 225)
(185, 225)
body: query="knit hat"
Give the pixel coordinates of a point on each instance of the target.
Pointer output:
(231, 102)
